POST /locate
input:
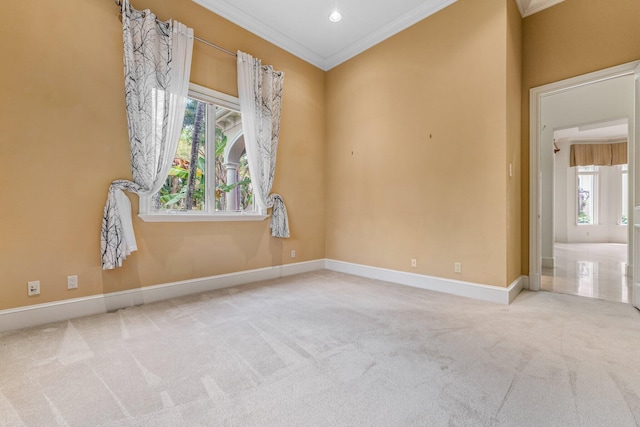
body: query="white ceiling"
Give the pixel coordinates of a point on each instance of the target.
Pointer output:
(610, 130)
(303, 27)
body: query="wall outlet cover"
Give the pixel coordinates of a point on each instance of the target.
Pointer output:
(72, 282)
(33, 288)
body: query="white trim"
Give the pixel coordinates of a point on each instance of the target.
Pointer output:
(33, 315)
(212, 96)
(535, 100)
(518, 285)
(548, 262)
(522, 7)
(202, 217)
(261, 29)
(594, 140)
(394, 27)
(39, 314)
(529, 7)
(455, 287)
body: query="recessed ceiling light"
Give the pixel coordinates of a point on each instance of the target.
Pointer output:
(335, 16)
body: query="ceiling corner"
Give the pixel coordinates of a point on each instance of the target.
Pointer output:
(329, 46)
(529, 7)
(264, 31)
(522, 6)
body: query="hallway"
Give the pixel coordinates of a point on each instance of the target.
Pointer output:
(595, 270)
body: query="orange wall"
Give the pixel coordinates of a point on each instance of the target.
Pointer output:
(416, 138)
(572, 38)
(514, 99)
(401, 152)
(63, 137)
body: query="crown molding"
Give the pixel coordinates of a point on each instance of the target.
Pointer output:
(262, 30)
(394, 27)
(529, 7)
(594, 140)
(259, 28)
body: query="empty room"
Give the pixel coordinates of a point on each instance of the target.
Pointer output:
(224, 212)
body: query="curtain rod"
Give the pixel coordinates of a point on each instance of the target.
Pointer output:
(203, 41)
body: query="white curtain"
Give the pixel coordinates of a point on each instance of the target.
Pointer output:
(157, 63)
(260, 93)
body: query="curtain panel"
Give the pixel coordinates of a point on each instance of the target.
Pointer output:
(598, 154)
(157, 63)
(260, 94)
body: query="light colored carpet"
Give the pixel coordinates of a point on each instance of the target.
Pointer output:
(327, 349)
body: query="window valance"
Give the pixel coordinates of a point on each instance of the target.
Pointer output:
(598, 154)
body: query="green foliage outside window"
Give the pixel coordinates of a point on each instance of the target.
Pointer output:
(182, 191)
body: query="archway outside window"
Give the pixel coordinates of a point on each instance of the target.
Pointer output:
(232, 157)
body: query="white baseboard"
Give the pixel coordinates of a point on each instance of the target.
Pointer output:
(449, 286)
(517, 286)
(33, 315)
(548, 262)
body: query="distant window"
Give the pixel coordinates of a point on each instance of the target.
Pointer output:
(587, 195)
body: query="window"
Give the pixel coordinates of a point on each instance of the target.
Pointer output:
(587, 197)
(624, 194)
(209, 179)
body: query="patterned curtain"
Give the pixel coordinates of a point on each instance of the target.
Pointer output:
(260, 93)
(157, 63)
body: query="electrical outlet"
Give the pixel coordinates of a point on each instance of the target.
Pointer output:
(414, 262)
(457, 267)
(33, 288)
(72, 282)
(293, 253)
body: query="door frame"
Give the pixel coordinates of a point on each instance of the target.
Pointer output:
(535, 174)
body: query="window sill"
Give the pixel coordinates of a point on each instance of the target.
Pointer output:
(202, 217)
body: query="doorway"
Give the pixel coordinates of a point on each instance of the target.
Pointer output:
(591, 209)
(582, 102)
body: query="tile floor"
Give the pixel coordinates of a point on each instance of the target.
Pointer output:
(595, 270)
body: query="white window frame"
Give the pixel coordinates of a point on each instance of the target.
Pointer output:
(209, 214)
(623, 171)
(596, 195)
